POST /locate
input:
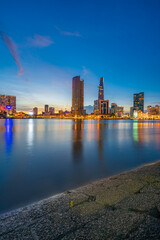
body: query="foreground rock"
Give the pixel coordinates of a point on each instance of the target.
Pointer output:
(126, 206)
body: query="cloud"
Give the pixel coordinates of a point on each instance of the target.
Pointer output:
(76, 34)
(12, 48)
(39, 41)
(85, 71)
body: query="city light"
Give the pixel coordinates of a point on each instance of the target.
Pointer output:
(30, 113)
(8, 107)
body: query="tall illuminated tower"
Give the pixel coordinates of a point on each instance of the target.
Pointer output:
(101, 89)
(77, 96)
(101, 106)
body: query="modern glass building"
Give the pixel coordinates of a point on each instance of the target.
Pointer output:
(77, 96)
(138, 101)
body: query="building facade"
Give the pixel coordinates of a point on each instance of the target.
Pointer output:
(35, 111)
(120, 111)
(101, 89)
(133, 110)
(153, 110)
(103, 106)
(96, 107)
(46, 109)
(138, 101)
(77, 96)
(113, 108)
(8, 103)
(51, 110)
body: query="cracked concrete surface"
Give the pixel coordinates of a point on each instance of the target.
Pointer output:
(126, 206)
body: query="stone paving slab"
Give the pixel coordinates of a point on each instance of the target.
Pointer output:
(126, 206)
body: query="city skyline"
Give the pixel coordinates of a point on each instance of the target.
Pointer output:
(101, 106)
(39, 60)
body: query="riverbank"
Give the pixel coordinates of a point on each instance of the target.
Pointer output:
(88, 118)
(126, 206)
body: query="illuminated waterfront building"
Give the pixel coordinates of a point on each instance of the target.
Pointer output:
(132, 110)
(60, 112)
(46, 107)
(77, 96)
(35, 111)
(140, 115)
(153, 110)
(120, 111)
(51, 110)
(8, 103)
(138, 101)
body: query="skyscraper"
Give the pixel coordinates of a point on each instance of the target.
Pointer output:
(101, 89)
(138, 101)
(77, 96)
(46, 107)
(101, 106)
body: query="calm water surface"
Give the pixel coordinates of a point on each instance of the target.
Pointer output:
(39, 158)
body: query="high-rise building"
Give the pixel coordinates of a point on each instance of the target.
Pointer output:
(138, 101)
(113, 108)
(51, 110)
(96, 107)
(8, 102)
(101, 89)
(77, 96)
(46, 107)
(35, 111)
(101, 106)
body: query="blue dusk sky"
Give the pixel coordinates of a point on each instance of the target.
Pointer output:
(44, 43)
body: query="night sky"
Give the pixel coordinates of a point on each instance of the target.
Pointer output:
(43, 44)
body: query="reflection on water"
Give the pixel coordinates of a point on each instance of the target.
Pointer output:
(39, 158)
(77, 139)
(8, 135)
(135, 131)
(100, 133)
(30, 132)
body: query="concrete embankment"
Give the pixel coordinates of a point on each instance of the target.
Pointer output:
(126, 206)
